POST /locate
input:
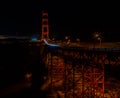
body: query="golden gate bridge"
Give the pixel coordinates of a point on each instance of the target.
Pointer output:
(74, 71)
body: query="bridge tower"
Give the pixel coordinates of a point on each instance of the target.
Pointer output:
(45, 25)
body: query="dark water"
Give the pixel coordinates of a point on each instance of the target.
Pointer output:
(27, 93)
(17, 58)
(11, 64)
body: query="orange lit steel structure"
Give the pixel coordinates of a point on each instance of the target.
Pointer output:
(45, 25)
(75, 72)
(78, 73)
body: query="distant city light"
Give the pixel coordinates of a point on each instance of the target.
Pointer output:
(34, 38)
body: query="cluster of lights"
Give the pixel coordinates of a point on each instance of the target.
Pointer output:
(98, 36)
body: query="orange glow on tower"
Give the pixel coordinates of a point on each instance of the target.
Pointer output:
(45, 26)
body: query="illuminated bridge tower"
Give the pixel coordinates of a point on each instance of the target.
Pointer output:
(45, 26)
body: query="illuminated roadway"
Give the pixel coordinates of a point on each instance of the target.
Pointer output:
(111, 45)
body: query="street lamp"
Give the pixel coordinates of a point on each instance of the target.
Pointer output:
(100, 41)
(78, 41)
(98, 37)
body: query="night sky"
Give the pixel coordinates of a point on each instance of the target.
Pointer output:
(65, 18)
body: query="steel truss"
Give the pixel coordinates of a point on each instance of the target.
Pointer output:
(78, 73)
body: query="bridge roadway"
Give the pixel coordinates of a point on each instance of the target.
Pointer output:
(92, 45)
(106, 46)
(81, 44)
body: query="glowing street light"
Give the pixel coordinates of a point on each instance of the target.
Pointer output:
(98, 37)
(99, 40)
